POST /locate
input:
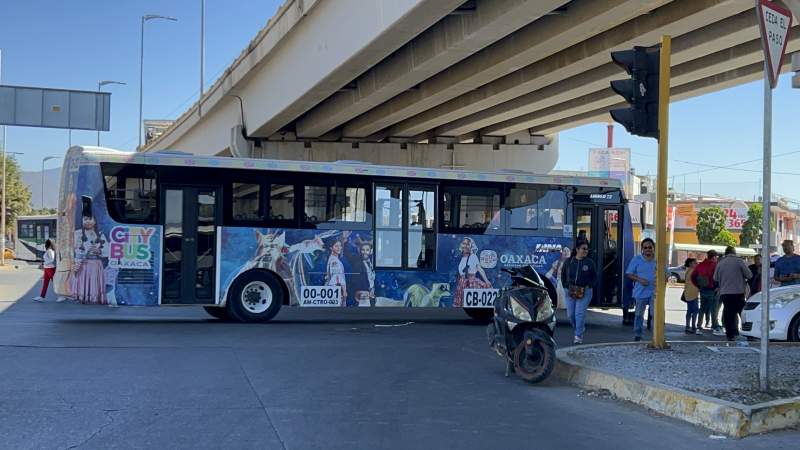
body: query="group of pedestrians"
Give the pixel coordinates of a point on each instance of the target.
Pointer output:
(725, 283)
(712, 285)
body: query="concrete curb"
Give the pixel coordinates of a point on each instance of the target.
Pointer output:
(733, 419)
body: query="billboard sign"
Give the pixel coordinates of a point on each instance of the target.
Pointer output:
(55, 108)
(611, 163)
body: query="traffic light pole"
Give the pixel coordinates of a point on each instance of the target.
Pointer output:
(661, 195)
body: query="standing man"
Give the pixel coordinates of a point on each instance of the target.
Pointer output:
(755, 282)
(361, 279)
(642, 271)
(787, 267)
(732, 274)
(703, 278)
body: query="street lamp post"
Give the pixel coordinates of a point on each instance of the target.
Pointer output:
(3, 207)
(145, 18)
(100, 84)
(44, 160)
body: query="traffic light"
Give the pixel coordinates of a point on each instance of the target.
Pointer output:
(641, 90)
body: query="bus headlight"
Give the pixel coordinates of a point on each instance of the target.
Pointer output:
(519, 311)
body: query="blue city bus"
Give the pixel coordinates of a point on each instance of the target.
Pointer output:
(243, 237)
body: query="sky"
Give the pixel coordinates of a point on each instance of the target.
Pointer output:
(73, 44)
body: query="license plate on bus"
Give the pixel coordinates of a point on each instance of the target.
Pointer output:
(480, 298)
(320, 296)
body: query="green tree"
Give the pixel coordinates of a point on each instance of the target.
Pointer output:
(42, 212)
(751, 230)
(725, 238)
(710, 222)
(18, 197)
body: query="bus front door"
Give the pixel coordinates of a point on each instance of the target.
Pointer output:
(190, 217)
(600, 226)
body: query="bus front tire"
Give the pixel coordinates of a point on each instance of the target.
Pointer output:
(217, 312)
(480, 315)
(255, 296)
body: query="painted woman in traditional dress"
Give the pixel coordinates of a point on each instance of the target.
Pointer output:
(335, 273)
(468, 270)
(91, 246)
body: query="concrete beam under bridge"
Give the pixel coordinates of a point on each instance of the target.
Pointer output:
(676, 18)
(533, 42)
(708, 85)
(540, 159)
(698, 69)
(309, 57)
(713, 38)
(450, 40)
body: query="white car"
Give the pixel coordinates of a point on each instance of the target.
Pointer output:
(784, 314)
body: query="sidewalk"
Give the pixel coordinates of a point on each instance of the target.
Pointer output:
(677, 382)
(16, 279)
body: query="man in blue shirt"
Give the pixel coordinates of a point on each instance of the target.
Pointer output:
(642, 271)
(787, 267)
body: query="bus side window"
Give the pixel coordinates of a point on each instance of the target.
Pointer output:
(472, 210)
(246, 201)
(130, 193)
(339, 204)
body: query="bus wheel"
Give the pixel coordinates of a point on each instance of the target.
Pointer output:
(255, 296)
(480, 315)
(217, 312)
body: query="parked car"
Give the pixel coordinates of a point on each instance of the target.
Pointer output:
(676, 274)
(784, 314)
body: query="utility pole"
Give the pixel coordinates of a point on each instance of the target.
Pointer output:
(661, 194)
(202, 55)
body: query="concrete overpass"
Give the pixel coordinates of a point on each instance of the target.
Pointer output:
(479, 84)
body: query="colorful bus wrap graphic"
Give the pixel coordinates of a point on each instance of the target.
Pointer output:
(106, 262)
(336, 268)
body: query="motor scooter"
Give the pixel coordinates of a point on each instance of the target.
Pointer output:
(522, 329)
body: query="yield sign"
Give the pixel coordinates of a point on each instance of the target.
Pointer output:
(774, 22)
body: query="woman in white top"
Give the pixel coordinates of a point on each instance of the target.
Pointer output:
(335, 273)
(49, 266)
(468, 270)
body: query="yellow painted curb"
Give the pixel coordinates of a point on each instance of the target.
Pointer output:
(733, 419)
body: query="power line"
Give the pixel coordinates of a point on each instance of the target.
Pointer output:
(732, 166)
(713, 167)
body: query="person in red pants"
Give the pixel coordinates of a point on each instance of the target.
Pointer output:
(49, 266)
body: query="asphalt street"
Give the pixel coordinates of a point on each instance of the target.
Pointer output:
(74, 376)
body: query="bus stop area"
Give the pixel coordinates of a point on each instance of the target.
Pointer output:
(100, 377)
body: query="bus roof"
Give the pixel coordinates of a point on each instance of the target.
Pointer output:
(42, 217)
(176, 158)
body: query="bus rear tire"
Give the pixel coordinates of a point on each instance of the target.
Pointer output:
(255, 296)
(217, 312)
(480, 315)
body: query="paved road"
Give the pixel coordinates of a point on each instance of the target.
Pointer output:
(97, 377)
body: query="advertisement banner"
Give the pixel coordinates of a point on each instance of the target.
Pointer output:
(611, 163)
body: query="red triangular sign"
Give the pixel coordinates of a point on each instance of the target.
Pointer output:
(775, 23)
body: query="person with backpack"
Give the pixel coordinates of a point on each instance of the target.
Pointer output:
(732, 274)
(49, 267)
(691, 295)
(703, 278)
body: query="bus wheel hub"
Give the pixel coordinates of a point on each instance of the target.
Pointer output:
(256, 297)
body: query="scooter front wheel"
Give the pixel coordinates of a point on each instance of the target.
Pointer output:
(537, 365)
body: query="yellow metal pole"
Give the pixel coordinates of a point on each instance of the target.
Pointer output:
(661, 195)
